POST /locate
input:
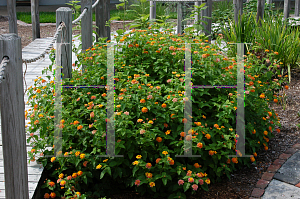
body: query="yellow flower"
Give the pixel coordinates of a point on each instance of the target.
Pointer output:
(207, 181)
(98, 166)
(135, 162)
(138, 157)
(152, 184)
(61, 175)
(150, 122)
(105, 160)
(165, 152)
(82, 156)
(77, 153)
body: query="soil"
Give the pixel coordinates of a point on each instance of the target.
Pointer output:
(243, 181)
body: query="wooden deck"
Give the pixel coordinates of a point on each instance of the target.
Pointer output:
(33, 71)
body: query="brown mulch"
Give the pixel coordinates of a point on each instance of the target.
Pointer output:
(243, 181)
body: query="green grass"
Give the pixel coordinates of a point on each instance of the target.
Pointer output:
(45, 17)
(50, 17)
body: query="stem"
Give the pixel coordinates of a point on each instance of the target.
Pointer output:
(289, 71)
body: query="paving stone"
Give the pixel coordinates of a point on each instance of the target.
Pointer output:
(281, 190)
(290, 151)
(290, 170)
(285, 156)
(296, 146)
(257, 192)
(273, 168)
(262, 184)
(279, 162)
(267, 176)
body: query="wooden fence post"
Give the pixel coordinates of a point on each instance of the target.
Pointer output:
(13, 119)
(102, 15)
(207, 12)
(152, 10)
(270, 3)
(286, 9)
(64, 14)
(35, 19)
(12, 12)
(238, 9)
(260, 11)
(86, 27)
(297, 8)
(179, 17)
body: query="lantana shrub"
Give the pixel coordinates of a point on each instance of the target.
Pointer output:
(149, 118)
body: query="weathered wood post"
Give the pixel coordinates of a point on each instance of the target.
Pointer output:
(207, 12)
(269, 2)
(64, 14)
(152, 10)
(179, 18)
(35, 19)
(260, 11)
(12, 12)
(286, 9)
(102, 15)
(297, 8)
(86, 26)
(13, 119)
(238, 9)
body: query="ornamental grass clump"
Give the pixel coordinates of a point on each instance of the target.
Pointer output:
(149, 118)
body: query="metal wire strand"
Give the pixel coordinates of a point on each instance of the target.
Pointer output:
(80, 16)
(3, 64)
(94, 5)
(42, 55)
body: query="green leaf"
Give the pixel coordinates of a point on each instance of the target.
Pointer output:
(134, 25)
(130, 155)
(84, 179)
(164, 181)
(113, 163)
(134, 170)
(106, 170)
(114, 18)
(120, 31)
(186, 186)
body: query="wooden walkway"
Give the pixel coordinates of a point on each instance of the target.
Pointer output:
(33, 71)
